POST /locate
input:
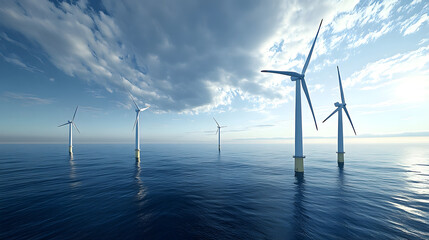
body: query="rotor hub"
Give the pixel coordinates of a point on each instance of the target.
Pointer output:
(337, 104)
(293, 78)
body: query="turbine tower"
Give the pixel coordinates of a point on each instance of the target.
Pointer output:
(298, 78)
(218, 132)
(136, 126)
(70, 123)
(340, 107)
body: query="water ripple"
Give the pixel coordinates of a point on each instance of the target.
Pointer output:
(188, 192)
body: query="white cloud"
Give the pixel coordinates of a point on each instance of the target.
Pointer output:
(80, 44)
(26, 98)
(371, 36)
(401, 80)
(7, 38)
(329, 62)
(316, 88)
(413, 24)
(14, 59)
(374, 11)
(405, 64)
(367, 22)
(414, 2)
(423, 41)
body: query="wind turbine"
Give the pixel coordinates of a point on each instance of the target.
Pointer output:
(298, 78)
(70, 123)
(218, 132)
(340, 107)
(136, 126)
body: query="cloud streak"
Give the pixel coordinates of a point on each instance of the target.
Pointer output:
(14, 59)
(394, 67)
(25, 98)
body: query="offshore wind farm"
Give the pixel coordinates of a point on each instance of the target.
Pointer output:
(195, 66)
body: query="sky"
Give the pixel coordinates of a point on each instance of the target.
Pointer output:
(195, 60)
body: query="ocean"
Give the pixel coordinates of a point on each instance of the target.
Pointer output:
(194, 192)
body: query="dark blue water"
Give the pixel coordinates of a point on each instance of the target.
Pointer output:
(192, 192)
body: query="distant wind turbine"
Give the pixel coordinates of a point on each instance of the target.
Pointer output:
(136, 126)
(70, 123)
(218, 132)
(340, 107)
(298, 78)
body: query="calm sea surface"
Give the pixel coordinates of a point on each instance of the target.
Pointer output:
(192, 192)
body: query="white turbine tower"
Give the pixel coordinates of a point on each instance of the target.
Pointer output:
(298, 78)
(136, 126)
(70, 123)
(218, 132)
(340, 107)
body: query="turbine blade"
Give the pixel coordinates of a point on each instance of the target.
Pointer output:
(348, 116)
(216, 122)
(74, 113)
(336, 110)
(341, 86)
(141, 110)
(135, 123)
(75, 127)
(223, 126)
(217, 131)
(137, 117)
(63, 124)
(304, 86)
(132, 98)
(311, 51)
(287, 73)
(135, 104)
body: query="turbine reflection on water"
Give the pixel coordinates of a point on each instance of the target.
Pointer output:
(141, 189)
(299, 212)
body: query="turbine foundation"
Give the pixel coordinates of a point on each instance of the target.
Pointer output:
(299, 164)
(137, 153)
(70, 150)
(340, 157)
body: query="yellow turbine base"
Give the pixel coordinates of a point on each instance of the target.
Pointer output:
(340, 157)
(299, 164)
(70, 149)
(137, 154)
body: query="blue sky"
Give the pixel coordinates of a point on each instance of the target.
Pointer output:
(194, 60)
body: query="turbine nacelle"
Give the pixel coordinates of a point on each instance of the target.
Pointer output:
(294, 78)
